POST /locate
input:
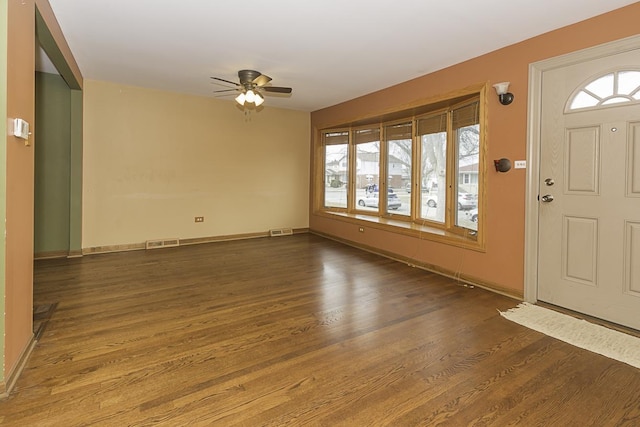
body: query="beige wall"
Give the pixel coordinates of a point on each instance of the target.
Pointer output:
(154, 160)
(502, 265)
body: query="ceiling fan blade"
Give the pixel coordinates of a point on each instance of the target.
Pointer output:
(261, 80)
(277, 89)
(225, 90)
(226, 81)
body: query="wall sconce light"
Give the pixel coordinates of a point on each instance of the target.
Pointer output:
(502, 89)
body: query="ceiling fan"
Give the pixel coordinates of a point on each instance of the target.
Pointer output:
(251, 86)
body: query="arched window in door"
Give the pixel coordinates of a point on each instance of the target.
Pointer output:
(608, 90)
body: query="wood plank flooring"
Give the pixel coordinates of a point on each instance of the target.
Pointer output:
(296, 330)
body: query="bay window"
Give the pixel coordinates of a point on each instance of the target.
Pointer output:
(418, 170)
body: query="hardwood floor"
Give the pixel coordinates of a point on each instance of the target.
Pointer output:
(296, 330)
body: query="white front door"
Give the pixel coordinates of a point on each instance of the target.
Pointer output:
(589, 207)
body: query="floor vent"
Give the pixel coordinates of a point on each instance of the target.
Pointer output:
(163, 243)
(280, 232)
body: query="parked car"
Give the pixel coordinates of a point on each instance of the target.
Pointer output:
(408, 188)
(466, 200)
(473, 214)
(371, 200)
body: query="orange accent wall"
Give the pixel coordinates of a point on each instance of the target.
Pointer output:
(502, 265)
(19, 174)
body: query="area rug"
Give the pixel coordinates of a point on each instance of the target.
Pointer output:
(578, 332)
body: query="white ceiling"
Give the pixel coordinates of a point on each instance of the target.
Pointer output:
(329, 51)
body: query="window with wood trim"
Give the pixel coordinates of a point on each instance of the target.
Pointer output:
(398, 144)
(421, 169)
(367, 168)
(466, 131)
(336, 168)
(432, 140)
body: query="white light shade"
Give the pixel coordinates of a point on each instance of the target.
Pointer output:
(240, 99)
(250, 96)
(501, 88)
(258, 100)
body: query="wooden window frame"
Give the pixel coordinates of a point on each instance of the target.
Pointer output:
(412, 224)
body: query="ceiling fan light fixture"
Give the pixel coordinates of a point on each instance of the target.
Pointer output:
(258, 99)
(251, 87)
(250, 96)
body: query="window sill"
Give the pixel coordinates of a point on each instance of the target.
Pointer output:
(420, 231)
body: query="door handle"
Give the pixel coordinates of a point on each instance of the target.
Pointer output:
(547, 198)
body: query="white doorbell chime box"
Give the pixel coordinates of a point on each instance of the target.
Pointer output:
(21, 128)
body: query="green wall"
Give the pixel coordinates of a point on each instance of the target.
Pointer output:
(60, 160)
(75, 202)
(52, 165)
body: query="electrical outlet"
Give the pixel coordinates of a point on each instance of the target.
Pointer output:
(361, 229)
(199, 219)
